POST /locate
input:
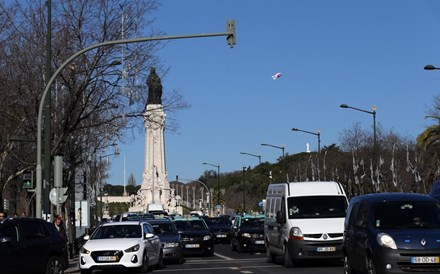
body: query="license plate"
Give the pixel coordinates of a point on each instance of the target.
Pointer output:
(425, 260)
(107, 258)
(326, 249)
(259, 242)
(192, 245)
(221, 236)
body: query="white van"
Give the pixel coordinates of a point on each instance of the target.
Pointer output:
(304, 220)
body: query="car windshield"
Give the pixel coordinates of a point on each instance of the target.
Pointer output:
(117, 231)
(191, 225)
(252, 222)
(164, 229)
(218, 222)
(316, 207)
(406, 214)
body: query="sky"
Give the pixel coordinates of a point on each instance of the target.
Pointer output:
(359, 53)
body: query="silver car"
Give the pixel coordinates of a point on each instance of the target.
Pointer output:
(129, 245)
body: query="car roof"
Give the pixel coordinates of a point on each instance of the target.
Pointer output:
(158, 221)
(123, 223)
(392, 196)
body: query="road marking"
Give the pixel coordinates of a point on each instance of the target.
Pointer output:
(246, 271)
(223, 257)
(215, 268)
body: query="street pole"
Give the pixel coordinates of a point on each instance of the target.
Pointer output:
(230, 37)
(318, 133)
(218, 184)
(259, 163)
(282, 148)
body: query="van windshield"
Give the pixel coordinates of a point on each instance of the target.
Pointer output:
(316, 207)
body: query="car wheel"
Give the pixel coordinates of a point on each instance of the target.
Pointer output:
(54, 265)
(371, 269)
(181, 260)
(239, 248)
(270, 258)
(287, 261)
(160, 264)
(145, 267)
(232, 246)
(347, 266)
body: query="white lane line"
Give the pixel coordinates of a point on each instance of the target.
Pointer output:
(223, 257)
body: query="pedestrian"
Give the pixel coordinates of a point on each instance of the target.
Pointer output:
(3, 216)
(59, 224)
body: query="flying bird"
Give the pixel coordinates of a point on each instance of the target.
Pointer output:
(276, 75)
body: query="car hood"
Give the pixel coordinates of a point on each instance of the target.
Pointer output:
(416, 238)
(169, 238)
(318, 225)
(252, 230)
(105, 244)
(186, 233)
(220, 228)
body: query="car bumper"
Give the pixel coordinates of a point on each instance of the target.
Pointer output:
(172, 254)
(304, 250)
(393, 261)
(127, 260)
(251, 244)
(198, 248)
(222, 237)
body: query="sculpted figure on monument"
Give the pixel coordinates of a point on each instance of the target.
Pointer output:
(154, 88)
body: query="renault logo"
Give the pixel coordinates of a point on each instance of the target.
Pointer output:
(423, 242)
(325, 236)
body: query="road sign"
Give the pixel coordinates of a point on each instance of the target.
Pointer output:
(219, 206)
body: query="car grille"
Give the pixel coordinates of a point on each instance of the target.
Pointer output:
(257, 236)
(192, 239)
(107, 253)
(319, 235)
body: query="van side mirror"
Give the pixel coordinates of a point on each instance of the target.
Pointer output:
(281, 218)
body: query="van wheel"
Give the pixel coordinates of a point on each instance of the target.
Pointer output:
(288, 262)
(371, 269)
(347, 266)
(270, 258)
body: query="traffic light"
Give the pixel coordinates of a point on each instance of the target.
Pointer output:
(230, 27)
(28, 180)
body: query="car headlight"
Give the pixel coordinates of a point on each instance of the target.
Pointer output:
(207, 238)
(133, 248)
(386, 240)
(295, 233)
(246, 235)
(171, 245)
(85, 251)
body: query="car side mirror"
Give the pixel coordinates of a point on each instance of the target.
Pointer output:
(86, 237)
(281, 219)
(149, 235)
(359, 224)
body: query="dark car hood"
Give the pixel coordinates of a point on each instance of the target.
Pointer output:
(416, 238)
(188, 233)
(218, 228)
(252, 230)
(169, 238)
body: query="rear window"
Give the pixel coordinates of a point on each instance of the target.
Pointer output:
(316, 207)
(164, 229)
(404, 214)
(191, 225)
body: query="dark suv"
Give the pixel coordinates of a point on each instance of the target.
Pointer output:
(392, 233)
(31, 245)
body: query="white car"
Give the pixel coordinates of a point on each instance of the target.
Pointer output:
(121, 245)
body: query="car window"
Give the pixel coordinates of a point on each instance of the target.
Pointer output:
(164, 229)
(117, 231)
(252, 222)
(316, 207)
(9, 231)
(35, 230)
(191, 225)
(405, 214)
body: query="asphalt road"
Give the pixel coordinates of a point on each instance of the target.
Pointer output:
(226, 261)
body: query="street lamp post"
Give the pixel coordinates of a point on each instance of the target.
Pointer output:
(318, 133)
(374, 120)
(100, 180)
(282, 148)
(244, 190)
(259, 163)
(230, 38)
(218, 184)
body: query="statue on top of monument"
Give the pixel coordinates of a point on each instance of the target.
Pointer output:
(154, 88)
